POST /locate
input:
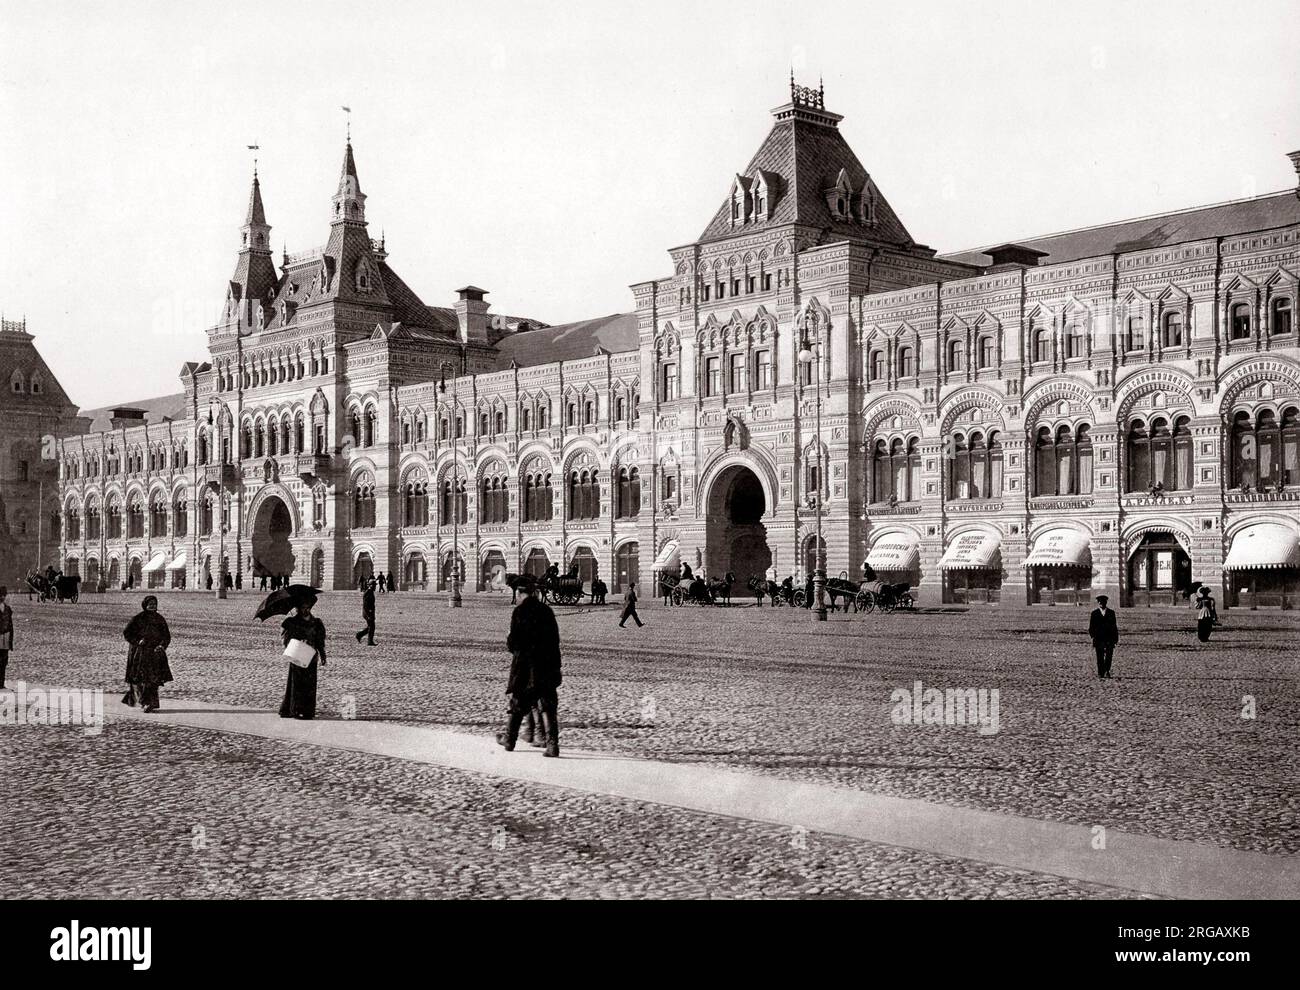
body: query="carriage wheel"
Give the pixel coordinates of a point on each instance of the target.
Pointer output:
(76, 596)
(866, 601)
(679, 597)
(906, 602)
(887, 603)
(797, 599)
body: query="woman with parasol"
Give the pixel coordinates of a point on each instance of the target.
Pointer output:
(304, 637)
(146, 661)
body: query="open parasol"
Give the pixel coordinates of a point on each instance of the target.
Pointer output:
(282, 601)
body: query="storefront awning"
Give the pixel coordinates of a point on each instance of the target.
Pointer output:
(669, 558)
(179, 563)
(896, 552)
(976, 551)
(1263, 545)
(156, 563)
(1060, 548)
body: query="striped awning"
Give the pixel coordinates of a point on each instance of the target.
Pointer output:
(1263, 545)
(1060, 548)
(669, 558)
(973, 551)
(179, 563)
(895, 552)
(156, 563)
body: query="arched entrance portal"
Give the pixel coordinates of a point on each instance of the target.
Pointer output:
(1159, 572)
(272, 552)
(736, 537)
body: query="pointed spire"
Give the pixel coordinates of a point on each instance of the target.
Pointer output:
(349, 200)
(256, 214)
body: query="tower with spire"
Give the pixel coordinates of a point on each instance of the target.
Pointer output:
(349, 201)
(255, 278)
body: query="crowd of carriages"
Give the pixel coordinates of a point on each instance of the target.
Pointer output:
(841, 593)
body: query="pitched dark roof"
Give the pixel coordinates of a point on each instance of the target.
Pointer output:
(18, 352)
(1142, 233)
(570, 341)
(808, 156)
(155, 411)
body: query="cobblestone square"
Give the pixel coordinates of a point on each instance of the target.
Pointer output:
(1191, 742)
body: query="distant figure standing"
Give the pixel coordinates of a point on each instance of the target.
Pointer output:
(263, 581)
(534, 644)
(300, 693)
(599, 589)
(1206, 615)
(146, 661)
(808, 591)
(629, 607)
(6, 632)
(1104, 631)
(383, 583)
(239, 581)
(367, 612)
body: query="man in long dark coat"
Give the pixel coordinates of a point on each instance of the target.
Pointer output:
(367, 612)
(534, 644)
(1104, 631)
(6, 632)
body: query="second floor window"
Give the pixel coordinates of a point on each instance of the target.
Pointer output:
(1172, 335)
(763, 369)
(1281, 321)
(668, 382)
(713, 376)
(986, 352)
(736, 382)
(1239, 321)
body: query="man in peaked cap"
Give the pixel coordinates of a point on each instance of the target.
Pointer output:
(1104, 631)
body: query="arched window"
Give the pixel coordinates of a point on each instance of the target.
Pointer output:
(628, 494)
(976, 467)
(877, 366)
(286, 435)
(896, 470)
(454, 502)
(986, 355)
(483, 424)
(319, 497)
(906, 362)
(494, 497)
(1171, 334)
(363, 502)
(584, 494)
(415, 501)
(371, 420)
(92, 520)
(135, 519)
(180, 516)
(299, 434)
(74, 523)
(206, 512)
(1239, 321)
(272, 439)
(1267, 437)
(1290, 446)
(956, 354)
(1280, 315)
(158, 516)
(1063, 461)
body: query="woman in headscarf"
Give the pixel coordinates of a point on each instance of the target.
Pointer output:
(300, 692)
(1206, 616)
(146, 661)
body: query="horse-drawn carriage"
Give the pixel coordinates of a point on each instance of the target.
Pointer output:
(553, 587)
(60, 588)
(698, 591)
(781, 594)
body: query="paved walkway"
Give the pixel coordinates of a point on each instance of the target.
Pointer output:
(1160, 867)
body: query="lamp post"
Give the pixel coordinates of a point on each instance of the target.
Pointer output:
(808, 356)
(219, 450)
(454, 601)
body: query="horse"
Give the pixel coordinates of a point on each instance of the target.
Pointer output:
(720, 590)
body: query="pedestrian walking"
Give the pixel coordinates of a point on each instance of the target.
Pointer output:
(1104, 631)
(599, 589)
(1206, 615)
(300, 692)
(146, 659)
(263, 588)
(535, 675)
(6, 632)
(367, 613)
(629, 607)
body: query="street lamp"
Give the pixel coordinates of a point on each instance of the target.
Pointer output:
(454, 601)
(809, 356)
(219, 450)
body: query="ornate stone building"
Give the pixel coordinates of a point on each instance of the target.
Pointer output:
(33, 405)
(1115, 409)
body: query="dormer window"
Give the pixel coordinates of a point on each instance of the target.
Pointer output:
(838, 196)
(742, 201)
(16, 382)
(37, 386)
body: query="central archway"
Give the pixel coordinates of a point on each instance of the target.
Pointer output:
(272, 528)
(736, 536)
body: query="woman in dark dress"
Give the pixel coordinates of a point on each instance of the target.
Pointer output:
(146, 661)
(1206, 616)
(300, 692)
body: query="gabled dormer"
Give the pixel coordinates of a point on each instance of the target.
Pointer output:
(839, 196)
(764, 188)
(742, 201)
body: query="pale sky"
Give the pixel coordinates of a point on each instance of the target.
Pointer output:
(553, 152)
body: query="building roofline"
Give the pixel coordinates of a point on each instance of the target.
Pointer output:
(1118, 223)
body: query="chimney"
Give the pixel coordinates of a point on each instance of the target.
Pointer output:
(1295, 161)
(471, 314)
